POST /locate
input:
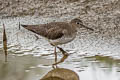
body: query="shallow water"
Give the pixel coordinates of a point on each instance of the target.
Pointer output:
(92, 57)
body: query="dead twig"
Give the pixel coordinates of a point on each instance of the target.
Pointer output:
(19, 25)
(4, 43)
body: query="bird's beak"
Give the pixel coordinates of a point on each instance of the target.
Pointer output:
(87, 27)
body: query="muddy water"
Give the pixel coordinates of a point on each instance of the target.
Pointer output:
(92, 57)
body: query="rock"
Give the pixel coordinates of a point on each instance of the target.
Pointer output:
(61, 74)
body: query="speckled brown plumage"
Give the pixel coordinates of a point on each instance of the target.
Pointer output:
(53, 30)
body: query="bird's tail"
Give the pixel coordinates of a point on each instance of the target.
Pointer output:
(32, 28)
(24, 25)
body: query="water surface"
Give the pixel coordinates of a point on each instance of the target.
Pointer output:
(92, 57)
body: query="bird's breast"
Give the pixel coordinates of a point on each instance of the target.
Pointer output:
(63, 40)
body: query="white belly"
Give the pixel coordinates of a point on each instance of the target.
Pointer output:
(62, 40)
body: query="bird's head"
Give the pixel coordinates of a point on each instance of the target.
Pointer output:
(79, 24)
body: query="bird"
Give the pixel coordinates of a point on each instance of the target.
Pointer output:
(58, 33)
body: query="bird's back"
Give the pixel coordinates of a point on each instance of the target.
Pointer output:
(51, 30)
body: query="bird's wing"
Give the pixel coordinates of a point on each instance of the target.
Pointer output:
(51, 32)
(54, 33)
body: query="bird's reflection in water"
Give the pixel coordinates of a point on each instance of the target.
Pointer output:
(61, 74)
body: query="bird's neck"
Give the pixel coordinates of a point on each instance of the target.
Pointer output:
(74, 27)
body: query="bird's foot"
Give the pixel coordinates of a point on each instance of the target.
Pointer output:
(54, 66)
(62, 60)
(36, 37)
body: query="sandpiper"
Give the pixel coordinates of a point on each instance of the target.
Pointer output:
(58, 33)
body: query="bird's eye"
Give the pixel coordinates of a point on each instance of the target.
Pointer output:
(77, 23)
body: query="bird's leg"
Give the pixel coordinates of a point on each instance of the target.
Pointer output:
(65, 55)
(54, 66)
(55, 53)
